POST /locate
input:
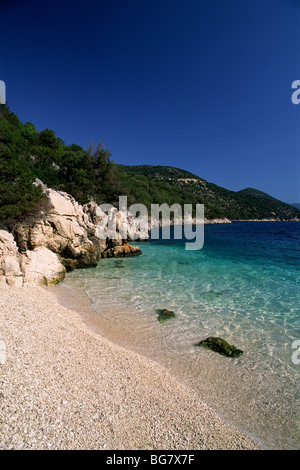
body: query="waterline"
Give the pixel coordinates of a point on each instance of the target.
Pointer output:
(244, 287)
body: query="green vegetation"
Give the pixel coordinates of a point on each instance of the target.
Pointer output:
(164, 315)
(183, 186)
(17, 194)
(221, 346)
(27, 154)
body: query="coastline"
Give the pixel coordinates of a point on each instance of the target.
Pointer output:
(63, 386)
(126, 303)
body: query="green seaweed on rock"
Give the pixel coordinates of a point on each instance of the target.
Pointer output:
(165, 315)
(221, 346)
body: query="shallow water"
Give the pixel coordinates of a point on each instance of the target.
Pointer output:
(243, 286)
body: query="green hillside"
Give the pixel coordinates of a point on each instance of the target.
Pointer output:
(219, 202)
(27, 154)
(255, 192)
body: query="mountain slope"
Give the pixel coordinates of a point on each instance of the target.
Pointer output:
(247, 204)
(27, 154)
(255, 192)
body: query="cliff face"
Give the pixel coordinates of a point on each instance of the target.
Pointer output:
(62, 237)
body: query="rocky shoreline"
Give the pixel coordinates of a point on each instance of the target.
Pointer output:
(63, 235)
(58, 238)
(63, 386)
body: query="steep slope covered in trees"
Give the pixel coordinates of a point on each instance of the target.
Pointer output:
(27, 154)
(247, 204)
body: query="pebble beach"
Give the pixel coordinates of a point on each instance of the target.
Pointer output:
(65, 387)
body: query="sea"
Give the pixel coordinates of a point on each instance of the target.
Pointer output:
(242, 286)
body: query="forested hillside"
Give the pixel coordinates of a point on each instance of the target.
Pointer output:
(90, 174)
(219, 202)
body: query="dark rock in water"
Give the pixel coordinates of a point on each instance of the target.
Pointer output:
(221, 346)
(165, 315)
(119, 264)
(120, 251)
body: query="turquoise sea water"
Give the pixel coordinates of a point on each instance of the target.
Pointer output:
(243, 286)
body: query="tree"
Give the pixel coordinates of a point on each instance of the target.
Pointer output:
(48, 139)
(105, 182)
(17, 193)
(76, 174)
(29, 131)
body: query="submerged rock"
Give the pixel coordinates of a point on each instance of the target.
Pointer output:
(165, 315)
(221, 346)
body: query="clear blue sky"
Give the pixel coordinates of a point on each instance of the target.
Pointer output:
(203, 85)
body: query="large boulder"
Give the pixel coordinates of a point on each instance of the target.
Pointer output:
(61, 235)
(42, 267)
(37, 267)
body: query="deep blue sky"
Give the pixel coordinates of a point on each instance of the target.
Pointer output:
(203, 85)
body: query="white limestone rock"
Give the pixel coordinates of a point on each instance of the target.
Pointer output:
(42, 267)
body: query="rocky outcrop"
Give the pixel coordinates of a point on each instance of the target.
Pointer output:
(62, 237)
(10, 261)
(37, 267)
(119, 251)
(65, 230)
(41, 267)
(217, 221)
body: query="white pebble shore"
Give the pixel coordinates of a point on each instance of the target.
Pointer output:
(62, 386)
